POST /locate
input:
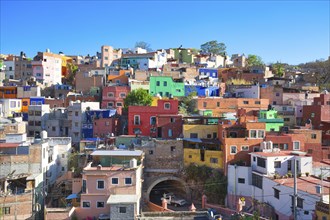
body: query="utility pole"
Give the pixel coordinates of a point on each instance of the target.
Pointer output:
(295, 190)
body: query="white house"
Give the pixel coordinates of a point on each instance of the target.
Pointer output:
(10, 69)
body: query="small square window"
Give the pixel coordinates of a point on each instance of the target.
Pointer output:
(277, 164)
(157, 83)
(277, 94)
(119, 104)
(173, 148)
(257, 102)
(165, 83)
(99, 204)
(172, 120)
(313, 136)
(100, 184)
(190, 156)
(245, 102)
(276, 193)
(114, 181)
(167, 105)
(122, 209)
(213, 160)
(110, 94)
(218, 104)
(296, 145)
(245, 148)
(128, 181)
(151, 152)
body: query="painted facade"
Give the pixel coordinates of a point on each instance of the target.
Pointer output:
(270, 117)
(166, 87)
(113, 96)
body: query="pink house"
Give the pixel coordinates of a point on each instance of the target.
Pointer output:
(111, 185)
(113, 96)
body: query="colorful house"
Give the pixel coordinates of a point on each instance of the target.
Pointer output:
(142, 119)
(119, 77)
(8, 92)
(165, 86)
(201, 143)
(10, 106)
(202, 90)
(112, 185)
(270, 117)
(113, 96)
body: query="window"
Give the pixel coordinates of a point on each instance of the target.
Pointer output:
(286, 119)
(241, 180)
(106, 58)
(300, 202)
(245, 102)
(261, 133)
(157, 83)
(110, 104)
(277, 193)
(170, 133)
(84, 186)
(122, 95)
(99, 204)
(218, 104)
(167, 105)
(310, 151)
(114, 181)
(151, 152)
(274, 102)
(76, 113)
(254, 159)
(107, 123)
(284, 108)
(296, 145)
(137, 131)
(119, 104)
(193, 135)
(277, 94)
(63, 168)
(233, 149)
(128, 181)
(257, 180)
(172, 120)
(215, 135)
(12, 104)
(257, 102)
(312, 114)
(190, 156)
(153, 120)
(110, 94)
(165, 83)
(213, 160)
(208, 136)
(261, 162)
(136, 119)
(86, 204)
(6, 210)
(244, 148)
(204, 104)
(313, 136)
(122, 209)
(253, 134)
(100, 184)
(167, 94)
(53, 128)
(173, 148)
(106, 49)
(277, 164)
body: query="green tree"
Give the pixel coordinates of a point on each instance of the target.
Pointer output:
(72, 71)
(278, 69)
(73, 164)
(254, 60)
(143, 45)
(214, 48)
(138, 97)
(187, 105)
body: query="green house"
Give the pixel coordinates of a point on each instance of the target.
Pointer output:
(270, 117)
(165, 86)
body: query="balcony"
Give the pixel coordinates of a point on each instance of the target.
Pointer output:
(322, 207)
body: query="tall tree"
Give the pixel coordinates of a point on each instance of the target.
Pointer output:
(214, 48)
(278, 69)
(254, 60)
(143, 45)
(138, 97)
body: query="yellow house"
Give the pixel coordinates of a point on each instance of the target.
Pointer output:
(65, 61)
(200, 131)
(322, 209)
(209, 158)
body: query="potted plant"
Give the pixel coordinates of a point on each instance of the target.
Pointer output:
(289, 174)
(299, 174)
(307, 173)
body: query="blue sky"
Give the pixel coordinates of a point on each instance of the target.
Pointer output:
(287, 31)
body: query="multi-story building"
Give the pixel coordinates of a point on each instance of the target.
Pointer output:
(108, 55)
(270, 117)
(9, 68)
(9, 107)
(38, 116)
(86, 82)
(113, 96)
(8, 92)
(243, 91)
(144, 61)
(76, 114)
(166, 86)
(47, 68)
(58, 124)
(28, 91)
(112, 185)
(9, 126)
(184, 55)
(142, 119)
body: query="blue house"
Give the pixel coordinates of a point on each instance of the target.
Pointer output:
(87, 125)
(37, 100)
(208, 72)
(202, 90)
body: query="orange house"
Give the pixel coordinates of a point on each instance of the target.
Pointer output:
(8, 92)
(25, 105)
(122, 78)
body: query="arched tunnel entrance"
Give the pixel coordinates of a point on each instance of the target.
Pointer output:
(168, 184)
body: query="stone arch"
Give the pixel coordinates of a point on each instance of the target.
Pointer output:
(165, 178)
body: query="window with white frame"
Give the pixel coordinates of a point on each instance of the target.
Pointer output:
(136, 119)
(100, 184)
(152, 120)
(128, 181)
(296, 145)
(119, 104)
(233, 149)
(114, 181)
(170, 132)
(86, 204)
(122, 95)
(111, 94)
(110, 104)
(253, 134)
(245, 148)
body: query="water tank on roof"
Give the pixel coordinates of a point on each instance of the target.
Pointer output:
(48, 50)
(44, 135)
(133, 163)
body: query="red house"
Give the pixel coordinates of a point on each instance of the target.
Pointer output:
(113, 96)
(143, 119)
(169, 126)
(103, 127)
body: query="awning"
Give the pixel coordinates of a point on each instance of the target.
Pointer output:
(196, 140)
(72, 196)
(122, 199)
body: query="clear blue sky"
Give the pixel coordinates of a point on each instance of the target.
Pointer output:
(293, 32)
